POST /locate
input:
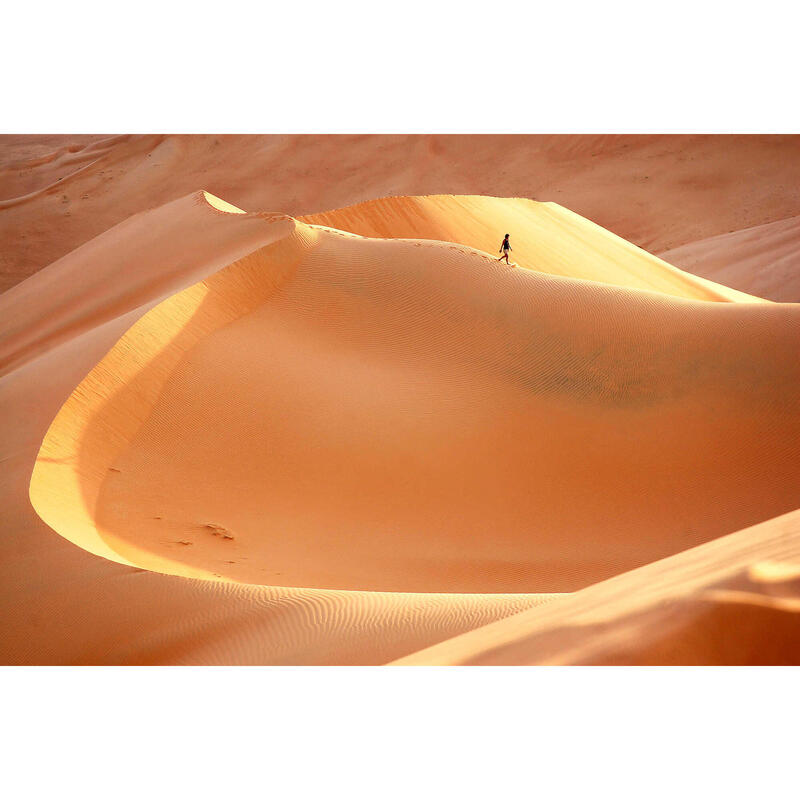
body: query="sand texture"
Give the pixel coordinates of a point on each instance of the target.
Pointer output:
(355, 437)
(764, 260)
(658, 192)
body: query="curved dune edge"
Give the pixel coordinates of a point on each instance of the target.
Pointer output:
(732, 601)
(73, 608)
(57, 494)
(119, 401)
(60, 604)
(658, 191)
(221, 205)
(545, 236)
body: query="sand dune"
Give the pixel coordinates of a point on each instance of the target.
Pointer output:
(764, 260)
(656, 191)
(547, 237)
(62, 605)
(293, 444)
(732, 601)
(338, 412)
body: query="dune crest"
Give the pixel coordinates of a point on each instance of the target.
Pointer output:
(149, 351)
(305, 407)
(63, 605)
(546, 237)
(657, 191)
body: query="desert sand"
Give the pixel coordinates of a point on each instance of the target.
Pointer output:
(354, 437)
(764, 260)
(658, 192)
(732, 601)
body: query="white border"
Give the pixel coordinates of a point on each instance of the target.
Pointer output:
(399, 67)
(410, 67)
(400, 732)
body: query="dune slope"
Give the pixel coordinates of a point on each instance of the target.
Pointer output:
(546, 237)
(299, 389)
(764, 260)
(732, 601)
(337, 412)
(61, 604)
(659, 192)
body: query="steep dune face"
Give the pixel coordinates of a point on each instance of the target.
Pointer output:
(764, 260)
(546, 237)
(344, 413)
(656, 191)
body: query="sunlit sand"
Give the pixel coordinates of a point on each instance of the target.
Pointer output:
(354, 436)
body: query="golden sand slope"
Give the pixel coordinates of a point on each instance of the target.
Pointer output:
(732, 601)
(545, 237)
(504, 366)
(57, 193)
(61, 605)
(764, 260)
(405, 415)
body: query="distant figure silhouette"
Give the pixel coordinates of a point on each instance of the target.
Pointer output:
(504, 248)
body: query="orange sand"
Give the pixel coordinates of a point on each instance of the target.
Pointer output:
(547, 238)
(764, 260)
(732, 601)
(275, 442)
(461, 426)
(62, 605)
(658, 192)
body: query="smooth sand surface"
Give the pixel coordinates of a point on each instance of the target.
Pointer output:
(280, 443)
(764, 260)
(656, 191)
(62, 605)
(732, 601)
(338, 412)
(547, 237)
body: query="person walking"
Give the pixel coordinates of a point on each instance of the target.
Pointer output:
(504, 248)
